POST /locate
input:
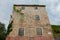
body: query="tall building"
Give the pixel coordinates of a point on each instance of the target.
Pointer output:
(30, 22)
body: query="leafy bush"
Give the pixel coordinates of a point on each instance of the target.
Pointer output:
(9, 29)
(56, 30)
(2, 31)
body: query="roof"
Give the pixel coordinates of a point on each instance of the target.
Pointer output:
(30, 5)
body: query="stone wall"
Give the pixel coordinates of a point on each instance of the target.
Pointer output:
(29, 21)
(30, 38)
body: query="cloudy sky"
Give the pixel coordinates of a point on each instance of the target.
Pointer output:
(52, 7)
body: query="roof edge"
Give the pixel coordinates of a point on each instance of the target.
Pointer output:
(29, 5)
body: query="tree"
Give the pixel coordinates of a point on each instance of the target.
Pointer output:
(9, 28)
(2, 31)
(56, 30)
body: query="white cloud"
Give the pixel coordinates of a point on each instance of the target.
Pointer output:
(53, 8)
(58, 8)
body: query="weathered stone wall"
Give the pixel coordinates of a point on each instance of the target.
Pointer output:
(30, 22)
(30, 38)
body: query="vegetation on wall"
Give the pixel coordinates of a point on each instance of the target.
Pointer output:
(19, 11)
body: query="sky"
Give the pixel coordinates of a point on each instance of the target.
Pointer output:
(52, 8)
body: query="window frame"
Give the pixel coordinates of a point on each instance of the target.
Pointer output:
(20, 34)
(37, 17)
(41, 31)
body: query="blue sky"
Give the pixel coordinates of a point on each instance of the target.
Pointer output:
(52, 8)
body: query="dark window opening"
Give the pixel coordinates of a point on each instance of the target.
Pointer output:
(39, 31)
(37, 17)
(21, 32)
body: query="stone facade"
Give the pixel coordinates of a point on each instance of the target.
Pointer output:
(30, 23)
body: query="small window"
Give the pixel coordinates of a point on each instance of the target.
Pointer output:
(39, 31)
(37, 17)
(21, 32)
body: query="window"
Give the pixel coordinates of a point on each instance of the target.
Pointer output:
(39, 31)
(21, 32)
(37, 17)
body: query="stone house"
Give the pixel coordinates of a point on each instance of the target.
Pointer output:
(30, 22)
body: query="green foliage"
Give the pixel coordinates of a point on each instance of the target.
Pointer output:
(2, 31)
(14, 7)
(17, 10)
(9, 29)
(56, 30)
